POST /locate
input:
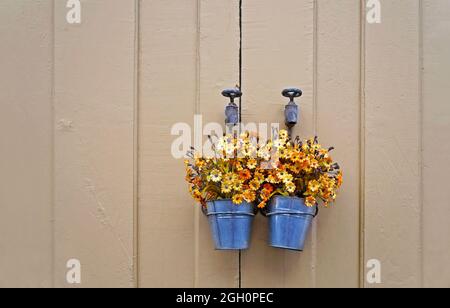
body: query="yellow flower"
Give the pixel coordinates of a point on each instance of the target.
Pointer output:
(239, 166)
(290, 187)
(296, 156)
(249, 196)
(316, 147)
(197, 195)
(280, 144)
(229, 149)
(273, 179)
(226, 187)
(282, 174)
(238, 199)
(200, 163)
(305, 147)
(285, 176)
(252, 163)
(313, 186)
(295, 168)
(215, 176)
(245, 135)
(284, 134)
(314, 164)
(237, 186)
(284, 153)
(247, 151)
(259, 176)
(229, 178)
(310, 201)
(264, 153)
(255, 184)
(221, 144)
(288, 178)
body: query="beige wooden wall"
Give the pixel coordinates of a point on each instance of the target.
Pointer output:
(85, 137)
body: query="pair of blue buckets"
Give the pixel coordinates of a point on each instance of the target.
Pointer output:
(289, 223)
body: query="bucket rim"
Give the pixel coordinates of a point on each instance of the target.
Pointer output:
(287, 197)
(302, 211)
(245, 208)
(228, 200)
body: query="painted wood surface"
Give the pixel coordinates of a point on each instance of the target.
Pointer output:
(167, 95)
(277, 52)
(338, 79)
(26, 239)
(218, 43)
(88, 109)
(94, 142)
(392, 198)
(435, 147)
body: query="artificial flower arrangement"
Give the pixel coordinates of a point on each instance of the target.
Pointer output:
(284, 177)
(302, 169)
(234, 172)
(227, 184)
(303, 174)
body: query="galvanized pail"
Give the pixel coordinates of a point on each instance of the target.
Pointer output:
(230, 224)
(289, 222)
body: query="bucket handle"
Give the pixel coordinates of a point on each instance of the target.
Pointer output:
(204, 210)
(263, 211)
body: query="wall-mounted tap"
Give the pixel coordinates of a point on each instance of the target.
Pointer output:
(232, 110)
(291, 111)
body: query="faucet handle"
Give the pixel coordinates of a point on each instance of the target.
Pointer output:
(292, 93)
(232, 93)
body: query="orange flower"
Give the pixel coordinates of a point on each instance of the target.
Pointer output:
(197, 181)
(262, 205)
(339, 179)
(269, 188)
(245, 175)
(265, 194)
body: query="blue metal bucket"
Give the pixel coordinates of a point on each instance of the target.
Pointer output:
(289, 222)
(230, 224)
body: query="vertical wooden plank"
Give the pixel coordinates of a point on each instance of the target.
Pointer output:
(168, 94)
(26, 143)
(392, 95)
(277, 52)
(436, 149)
(338, 121)
(218, 60)
(94, 107)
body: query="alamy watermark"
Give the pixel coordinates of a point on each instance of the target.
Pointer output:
(74, 14)
(373, 275)
(73, 275)
(373, 11)
(197, 138)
